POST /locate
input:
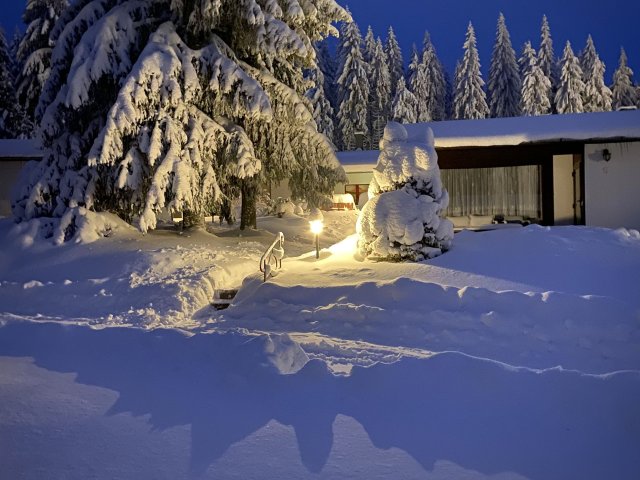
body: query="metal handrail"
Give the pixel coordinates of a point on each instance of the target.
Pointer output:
(272, 253)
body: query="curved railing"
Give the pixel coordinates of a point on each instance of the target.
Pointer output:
(273, 255)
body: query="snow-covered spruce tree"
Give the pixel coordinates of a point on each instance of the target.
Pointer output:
(380, 104)
(13, 121)
(470, 100)
(504, 80)
(327, 64)
(369, 46)
(597, 96)
(436, 88)
(322, 110)
(587, 58)
(14, 44)
(403, 107)
(571, 87)
(547, 59)
(164, 103)
(448, 97)
(34, 50)
(394, 59)
(401, 220)
(420, 87)
(412, 67)
(535, 84)
(624, 93)
(527, 59)
(353, 88)
(368, 53)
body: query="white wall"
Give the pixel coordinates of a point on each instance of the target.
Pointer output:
(612, 189)
(563, 212)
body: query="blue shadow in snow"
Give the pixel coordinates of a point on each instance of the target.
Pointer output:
(477, 414)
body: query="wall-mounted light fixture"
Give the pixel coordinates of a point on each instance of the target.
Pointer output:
(606, 154)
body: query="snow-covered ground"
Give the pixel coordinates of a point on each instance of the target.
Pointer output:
(516, 355)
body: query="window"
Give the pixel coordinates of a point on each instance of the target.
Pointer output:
(356, 190)
(492, 191)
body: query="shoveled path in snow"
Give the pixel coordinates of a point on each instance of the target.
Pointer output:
(534, 297)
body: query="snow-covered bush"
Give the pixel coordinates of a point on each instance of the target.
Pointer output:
(285, 207)
(401, 219)
(88, 228)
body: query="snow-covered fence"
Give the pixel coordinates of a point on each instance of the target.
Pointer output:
(273, 254)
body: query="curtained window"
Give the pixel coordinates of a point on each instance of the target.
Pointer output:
(510, 191)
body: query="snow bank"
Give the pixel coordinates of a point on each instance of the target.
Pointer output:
(77, 225)
(111, 274)
(535, 296)
(127, 279)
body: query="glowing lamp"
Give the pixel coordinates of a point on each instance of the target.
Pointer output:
(316, 220)
(316, 226)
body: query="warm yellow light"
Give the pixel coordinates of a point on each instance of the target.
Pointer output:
(316, 226)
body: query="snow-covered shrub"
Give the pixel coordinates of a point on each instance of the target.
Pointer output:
(77, 225)
(285, 207)
(401, 219)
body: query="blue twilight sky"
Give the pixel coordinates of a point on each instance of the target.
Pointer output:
(612, 23)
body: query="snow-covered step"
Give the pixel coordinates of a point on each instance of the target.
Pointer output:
(223, 298)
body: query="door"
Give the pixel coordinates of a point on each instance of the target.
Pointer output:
(578, 189)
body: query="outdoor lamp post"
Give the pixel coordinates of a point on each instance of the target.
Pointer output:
(315, 223)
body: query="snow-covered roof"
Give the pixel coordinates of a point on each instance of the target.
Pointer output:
(602, 126)
(547, 128)
(355, 160)
(28, 148)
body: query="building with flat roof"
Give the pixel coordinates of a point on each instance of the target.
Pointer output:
(581, 169)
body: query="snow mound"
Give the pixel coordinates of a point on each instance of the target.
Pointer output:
(537, 330)
(78, 225)
(571, 300)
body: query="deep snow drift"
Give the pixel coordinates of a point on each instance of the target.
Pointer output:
(515, 355)
(536, 297)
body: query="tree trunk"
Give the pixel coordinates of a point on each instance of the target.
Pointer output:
(248, 210)
(225, 212)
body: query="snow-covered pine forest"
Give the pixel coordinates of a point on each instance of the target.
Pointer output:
(185, 115)
(423, 91)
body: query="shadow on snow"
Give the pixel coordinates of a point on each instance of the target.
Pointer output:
(479, 414)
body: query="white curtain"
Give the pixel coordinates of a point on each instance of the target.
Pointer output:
(491, 191)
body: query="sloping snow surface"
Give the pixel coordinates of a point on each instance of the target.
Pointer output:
(515, 355)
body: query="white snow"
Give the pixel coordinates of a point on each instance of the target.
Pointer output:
(513, 356)
(545, 128)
